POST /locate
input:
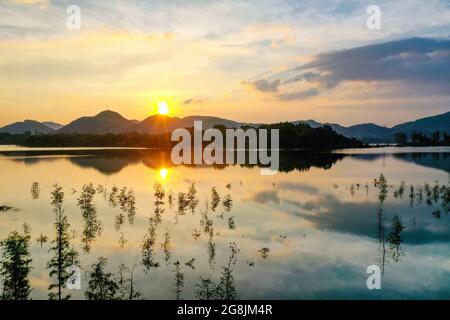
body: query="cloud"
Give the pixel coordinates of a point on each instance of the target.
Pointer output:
(328, 212)
(410, 63)
(306, 76)
(298, 187)
(193, 101)
(298, 95)
(419, 60)
(264, 85)
(264, 197)
(214, 45)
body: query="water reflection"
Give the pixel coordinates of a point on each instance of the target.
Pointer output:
(92, 225)
(200, 232)
(64, 254)
(35, 190)
(112, 161)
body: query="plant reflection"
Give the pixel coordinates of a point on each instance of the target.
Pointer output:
(35, 190)
(92, 225)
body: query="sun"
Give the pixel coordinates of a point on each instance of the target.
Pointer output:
(163, 108)
(163, 172)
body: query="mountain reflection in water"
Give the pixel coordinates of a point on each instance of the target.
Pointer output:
(226, 232)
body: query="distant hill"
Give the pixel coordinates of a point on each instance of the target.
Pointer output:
(364, 132)
(427, 125)
(53, 125)
(207, 122)
(311, 123)
(112, 122)
(28, 125)
(156, 124)
(370, 132)
(104, 122)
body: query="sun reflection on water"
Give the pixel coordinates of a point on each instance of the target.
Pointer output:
(163, 173)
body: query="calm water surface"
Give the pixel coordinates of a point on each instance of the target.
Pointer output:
(308, 232)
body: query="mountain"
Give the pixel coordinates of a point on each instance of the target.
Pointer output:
(27, 125)
(156, 124)
(370, 132)
(104, 122)
(311, 123)
(426, 125)
(364, 132)
(53, 125)
(113, 122)
(207, 122)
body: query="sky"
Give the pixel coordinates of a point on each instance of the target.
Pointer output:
(249, 61)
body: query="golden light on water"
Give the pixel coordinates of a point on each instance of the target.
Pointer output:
(163, 108)
(163, 172)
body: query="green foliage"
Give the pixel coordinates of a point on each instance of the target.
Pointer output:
(292, 136)
(231, 223)
(92, 225)
(205, 290)
(192, 197)
(401, 138)
(35, 190)
(127, 201)
(63, 255)
(113, 197)
(300, 136)
(148, 247)
(87, 140)
(382, 188)
(126, 283)
(101, 285)
(394, 238)
(420, 139)
(179, 280)
(225, 289)
(227, 203)
(215, 199)
(159, 195)
(166, 248)
(15, 266)
(183, 203)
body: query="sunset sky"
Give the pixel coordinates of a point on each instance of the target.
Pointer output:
(253, 61)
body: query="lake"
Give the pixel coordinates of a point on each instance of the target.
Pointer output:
(308, 232)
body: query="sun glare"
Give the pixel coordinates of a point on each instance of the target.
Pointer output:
(163, 108)
(163, 173)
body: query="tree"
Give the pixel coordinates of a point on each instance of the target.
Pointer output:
(101, 285)
(436, 137)
(206, 289)
(64, 255)
(15, 266)
(215, 199)
(179, 280)
(395, 238)
(192, 197)
(446, 139)
(127, 284)
(382, 186)
(227, 203)
(225, 289)
(92, 225)
(159, 195)
(148, 247)
(420, 139)
(401, 138)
